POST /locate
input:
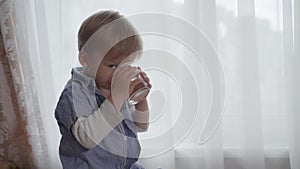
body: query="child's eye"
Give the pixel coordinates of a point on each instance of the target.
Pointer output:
(112, 66)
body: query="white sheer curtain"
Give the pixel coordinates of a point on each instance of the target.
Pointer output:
(25, 40)
(258, 45)
(31, 38)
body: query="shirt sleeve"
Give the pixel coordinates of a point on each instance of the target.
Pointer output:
(90, 130)
(78, 112)
(64, 113)
(141, 119)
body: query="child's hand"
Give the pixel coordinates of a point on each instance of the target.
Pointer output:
(141, 116)
(146, 79)
(120, 86)
(137, 84)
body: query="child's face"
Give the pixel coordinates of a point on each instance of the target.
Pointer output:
(106, 70)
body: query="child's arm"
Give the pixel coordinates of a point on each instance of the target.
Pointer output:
(141, 115)
(90, 130)
(77, 112)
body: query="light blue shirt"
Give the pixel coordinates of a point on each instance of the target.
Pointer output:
(81, 97)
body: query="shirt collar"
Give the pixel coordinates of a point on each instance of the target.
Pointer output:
(82, 79)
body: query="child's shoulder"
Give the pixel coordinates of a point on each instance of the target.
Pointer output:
(70, 88)
(66, 92)
(78, 90)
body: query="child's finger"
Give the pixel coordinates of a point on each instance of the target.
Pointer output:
(145, 74)
(145, 77)
(136, 82)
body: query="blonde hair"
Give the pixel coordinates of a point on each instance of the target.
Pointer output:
(102, 20)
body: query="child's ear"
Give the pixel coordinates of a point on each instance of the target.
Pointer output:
(82, 57)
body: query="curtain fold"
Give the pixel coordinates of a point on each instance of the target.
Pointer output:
(213, 149)
(291, 16)
(14, 142)
(22, 131)
(249, 86)
(296, 139)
